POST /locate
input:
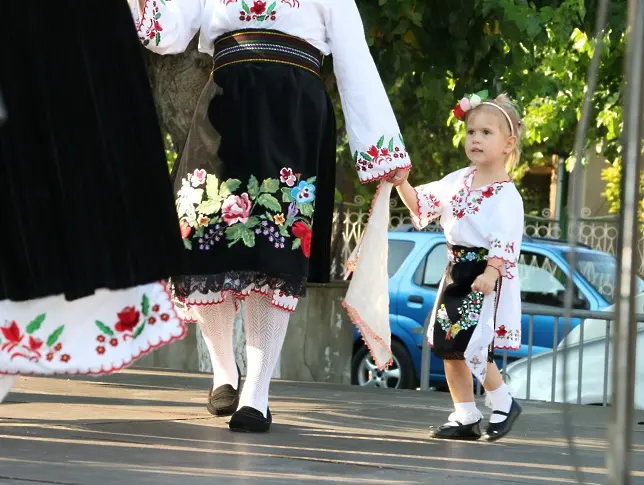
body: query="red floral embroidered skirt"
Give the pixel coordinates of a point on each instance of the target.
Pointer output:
(255, 183)
(86, 208)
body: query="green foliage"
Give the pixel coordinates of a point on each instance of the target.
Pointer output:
(429, 53)
(612, 176)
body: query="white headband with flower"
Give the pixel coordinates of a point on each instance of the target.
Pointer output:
(471, 101)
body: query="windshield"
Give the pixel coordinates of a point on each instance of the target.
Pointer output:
(599, 270)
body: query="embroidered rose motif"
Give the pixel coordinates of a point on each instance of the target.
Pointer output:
(279, 219)
(198, 177)
(501, 332)
(258, 7)
(304, 233)
(236, 209)
(489, 192)
(185, 229)
(128, 319)
(303, 193)
(287, 177)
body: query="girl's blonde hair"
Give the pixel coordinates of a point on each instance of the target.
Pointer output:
(504, 102)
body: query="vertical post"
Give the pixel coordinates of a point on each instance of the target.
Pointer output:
(620, 431)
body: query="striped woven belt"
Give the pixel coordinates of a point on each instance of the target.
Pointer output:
(265, 46)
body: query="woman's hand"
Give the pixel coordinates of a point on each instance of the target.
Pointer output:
(486, 282)
(398, 176)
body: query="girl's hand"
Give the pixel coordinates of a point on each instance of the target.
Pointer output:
(486, 283)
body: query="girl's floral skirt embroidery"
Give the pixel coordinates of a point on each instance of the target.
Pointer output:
(98, 334)
(459, 308)
(258, 165)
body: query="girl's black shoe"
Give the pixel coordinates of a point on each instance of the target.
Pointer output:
(497, 431)
(224, 400)
(469, 432)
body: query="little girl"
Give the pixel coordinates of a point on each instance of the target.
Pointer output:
(478, 306)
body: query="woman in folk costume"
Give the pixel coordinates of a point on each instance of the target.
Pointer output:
(255, 183)
(478, 306)
(86, 207)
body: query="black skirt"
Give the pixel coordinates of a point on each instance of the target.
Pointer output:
(459, 307)
(85, 195)
(258, 168)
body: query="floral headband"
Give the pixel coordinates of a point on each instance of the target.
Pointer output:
(471, 101)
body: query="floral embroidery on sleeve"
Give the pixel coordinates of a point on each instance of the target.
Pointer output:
(506, 250)
(260, 10)
(428, 207)
(379, 160)
(277, 210)
(149, 27)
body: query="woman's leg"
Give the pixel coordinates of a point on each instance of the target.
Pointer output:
(265, 327)
(216, 324)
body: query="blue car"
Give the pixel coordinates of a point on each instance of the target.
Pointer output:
(417, 261)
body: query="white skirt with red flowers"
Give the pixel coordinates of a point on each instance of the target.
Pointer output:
(98, 334)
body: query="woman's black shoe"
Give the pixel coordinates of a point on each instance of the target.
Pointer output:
(224, 400)
(470, 432)
(249, 420)
(497, 431)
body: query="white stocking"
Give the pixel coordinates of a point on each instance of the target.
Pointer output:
(216, 322)
(265, 327)
(6, 383)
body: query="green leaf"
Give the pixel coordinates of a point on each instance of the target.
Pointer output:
(483, 94)
(228, 187)
(270, 186)
(284, 231)
(296, 244)
(271, 7)
(245, 7)
(145, 305)
(401, 139)
(311, 180)
(248, 237)
(209, 207)
(138, 331)
(53, 338)
(380, 142)
(306, 209)
(261, 18)
(269, 202)
(157, 16)
(36, 323)
(286, 195)
(253, 187)
(212, 187)
(355, 156)
(253, 221)
(158, 38)
(105, 329)
(187, 243)
(366, 156)
(234, 233)
(199, 232)
(391, 145)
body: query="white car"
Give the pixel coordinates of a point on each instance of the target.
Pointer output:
(593, 363)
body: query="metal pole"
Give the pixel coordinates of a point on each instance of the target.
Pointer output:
(620, 431)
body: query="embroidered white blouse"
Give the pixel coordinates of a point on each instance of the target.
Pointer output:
(332, 26)
(488, 217)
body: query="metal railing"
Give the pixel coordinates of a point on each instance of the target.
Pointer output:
(571, 350)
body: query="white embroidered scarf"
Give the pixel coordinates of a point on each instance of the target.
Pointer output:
(367, 300)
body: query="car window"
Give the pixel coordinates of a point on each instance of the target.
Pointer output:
(432, 268)
(398, 252)
(543, 282)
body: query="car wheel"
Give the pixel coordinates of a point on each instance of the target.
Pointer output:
(400, 375)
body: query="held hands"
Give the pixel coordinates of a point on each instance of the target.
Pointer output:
(486, 282)
(398, 177)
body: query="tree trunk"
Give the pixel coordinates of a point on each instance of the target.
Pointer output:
(177, 82)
